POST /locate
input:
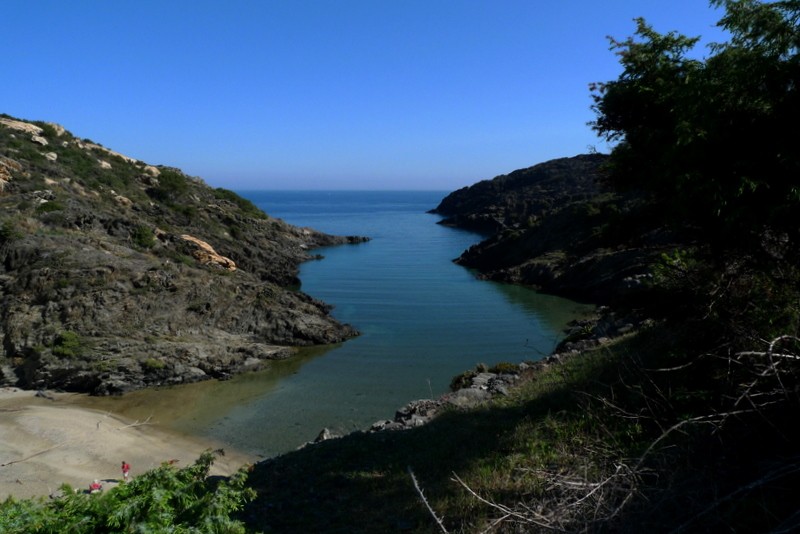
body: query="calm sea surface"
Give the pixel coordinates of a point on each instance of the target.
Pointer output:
(422, 320)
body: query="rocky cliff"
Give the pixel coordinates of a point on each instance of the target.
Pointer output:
(117, 275)
(559, 228)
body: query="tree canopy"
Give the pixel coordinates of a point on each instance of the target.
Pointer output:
(716, 140)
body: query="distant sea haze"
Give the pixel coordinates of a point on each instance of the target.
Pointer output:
(422, 318)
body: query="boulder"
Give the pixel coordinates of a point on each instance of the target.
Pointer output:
(206, 255)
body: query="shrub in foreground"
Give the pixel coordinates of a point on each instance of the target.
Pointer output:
(166, 499)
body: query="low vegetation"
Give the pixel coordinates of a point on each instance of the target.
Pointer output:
(637, 436)
(166, 499)
(68, 344)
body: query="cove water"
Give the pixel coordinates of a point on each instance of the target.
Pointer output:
(422, 319)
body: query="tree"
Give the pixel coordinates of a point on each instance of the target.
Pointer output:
(717, 140)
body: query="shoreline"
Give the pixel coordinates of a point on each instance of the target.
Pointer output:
(47, 441)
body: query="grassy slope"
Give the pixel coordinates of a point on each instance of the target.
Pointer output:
(606, 441)
(361, 483)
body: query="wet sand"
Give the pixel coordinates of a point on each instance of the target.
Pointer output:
(45, 442)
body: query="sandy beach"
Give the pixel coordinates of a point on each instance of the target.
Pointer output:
(47, 441)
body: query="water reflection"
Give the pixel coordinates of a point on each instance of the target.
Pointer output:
(195, 408)
(553, 311)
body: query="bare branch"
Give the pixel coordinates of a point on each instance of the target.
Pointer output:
(425, 501)
(506, 511)
(32, 455)
(136, 423)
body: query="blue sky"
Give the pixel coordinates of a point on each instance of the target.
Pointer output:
(347, 94)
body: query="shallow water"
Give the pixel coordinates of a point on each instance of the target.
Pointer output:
(422, 320)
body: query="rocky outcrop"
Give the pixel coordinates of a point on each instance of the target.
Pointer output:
(479, 387)
(514, 199)
(7, 166)
(122, 276)
(20, 126)
(559, 228)
(206, 255)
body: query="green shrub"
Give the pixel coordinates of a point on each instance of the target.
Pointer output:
(143, 237)
(9, 232)
(48, 130)
(165, 499)
(153, 364)
(68, 344)
(171, 186)
(50, 206)
(504, 368)
(243, 204)
(187, 211)
(462, 380)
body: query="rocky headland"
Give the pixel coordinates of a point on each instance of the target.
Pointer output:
(561, 228)
(117, 275)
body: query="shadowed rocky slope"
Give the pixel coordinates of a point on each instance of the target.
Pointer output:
(117, 275)
(557, 227)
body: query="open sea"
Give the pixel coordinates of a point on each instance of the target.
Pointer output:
(422, 318)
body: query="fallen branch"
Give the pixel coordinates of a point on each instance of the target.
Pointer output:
(31, 456)
(425, 501)
(136, 423)
(506, 511)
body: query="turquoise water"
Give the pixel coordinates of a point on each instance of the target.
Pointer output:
(422, 318)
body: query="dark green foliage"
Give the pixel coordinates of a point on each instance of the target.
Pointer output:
(245, 205)
(188, 212)
(48, 131)
(165, 499)
(9, 232)
(50, 206)
(713, 145)
(462, 380)
(171, 186)
(504, 368)
(21, 148)
(153, 364)
(143, 237)
(68, 345)
(714, 140)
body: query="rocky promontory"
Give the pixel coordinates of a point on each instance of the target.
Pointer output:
(117, 275)
(559, 227)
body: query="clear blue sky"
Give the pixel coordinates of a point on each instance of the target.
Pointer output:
(324, 94)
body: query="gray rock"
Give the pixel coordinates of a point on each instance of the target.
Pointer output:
(324, 435)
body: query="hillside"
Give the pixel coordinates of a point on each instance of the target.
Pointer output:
(559, 227)
(117, 275)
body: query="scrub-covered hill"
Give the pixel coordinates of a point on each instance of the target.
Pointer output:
(560, 227)
(117, 275)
